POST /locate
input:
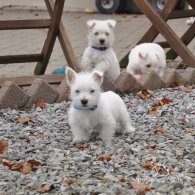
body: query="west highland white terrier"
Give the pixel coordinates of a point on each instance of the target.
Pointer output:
(94, 110)
(99, 54)
(145, 58)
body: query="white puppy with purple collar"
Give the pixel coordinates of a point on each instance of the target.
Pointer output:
(94, 110)
(99, 54)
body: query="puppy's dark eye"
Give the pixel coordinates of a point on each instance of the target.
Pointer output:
(92, 91)
(77, 91)
(148, 65)
(96, 33)
(106, 33)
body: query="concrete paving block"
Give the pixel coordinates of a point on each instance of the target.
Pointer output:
(40, 89)
(172, 78)
(12, 96)
(125, 82)
(152, 81)
(63, 91)
(188, 74)
(108, 85)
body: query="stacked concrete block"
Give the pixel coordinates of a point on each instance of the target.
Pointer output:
(63, 91)
(40, 89)
(12, 96)
(126, 82)
(152, 81)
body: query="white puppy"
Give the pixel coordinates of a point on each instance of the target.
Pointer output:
(93, 110)
(145, 58)
(99, 54)
(190, 20)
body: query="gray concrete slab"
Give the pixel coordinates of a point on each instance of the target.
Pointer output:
(129, 29)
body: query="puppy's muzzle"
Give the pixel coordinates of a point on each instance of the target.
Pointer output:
(84, 102)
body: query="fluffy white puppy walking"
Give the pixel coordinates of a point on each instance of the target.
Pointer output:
(93, 110)
(99, 54)
(145, 58)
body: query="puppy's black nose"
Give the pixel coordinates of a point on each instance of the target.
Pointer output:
(84, 102)
(102, 41)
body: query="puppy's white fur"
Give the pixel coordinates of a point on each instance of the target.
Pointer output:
(145, 58)
(102, 110)
(93, 58)
(190, 20)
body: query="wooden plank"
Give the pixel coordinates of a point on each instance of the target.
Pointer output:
(182, 14)
(51, 37)
(20, 58)
(64, 41)
(27, 80)
(152, 32)
(167, 32)
(24, 24)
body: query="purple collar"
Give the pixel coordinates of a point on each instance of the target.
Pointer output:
(100, 48)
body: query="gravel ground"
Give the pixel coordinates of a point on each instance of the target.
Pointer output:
(158, 159)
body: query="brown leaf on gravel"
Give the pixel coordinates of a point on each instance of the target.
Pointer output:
(170, 169)
(104, 158)
(41, 136)
(122, 180)
(183, 121)
(153, 146)
(186, 89)
(160, 130)
(27, 168)
(190, 131)
(23, 120)
(24, 167)
(144, 94)
(46, 188)
(82, 148)
(68, 181)
(141, 186)
(162, 102)
(3, 145)
(149, 165)
(153, 111)
(41, 103)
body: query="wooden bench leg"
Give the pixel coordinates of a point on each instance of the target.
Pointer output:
(51, 37)
(64, 41)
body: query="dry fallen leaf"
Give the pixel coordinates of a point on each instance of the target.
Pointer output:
(82, 148)
(144, 94)
(149, 165)
(141, 186)
(153, 146)
(183, 121)
(170, 169)
(7, 164)
(27, 167)
(153, 111)
(122, 180)
(190, 131)
(186, 89)
(3, 145)
(34, 163)
(162, 102)
(160, 130)
(68, 181)
(41, 103)
(46, 188)
(23, 120)
(104, 158)
(41, 136)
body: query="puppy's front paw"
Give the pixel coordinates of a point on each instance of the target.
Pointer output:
(80, 139)
(130, 129)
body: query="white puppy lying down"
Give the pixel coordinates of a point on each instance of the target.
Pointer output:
(145, 58)
(93, 110)
(99, 54)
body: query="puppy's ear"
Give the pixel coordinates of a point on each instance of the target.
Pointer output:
(111, 23)
(70, 76)
(143, 54)
(98, 77)
(90, 24)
